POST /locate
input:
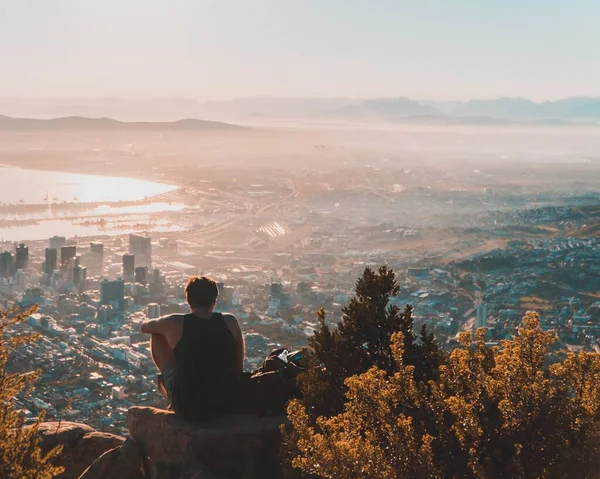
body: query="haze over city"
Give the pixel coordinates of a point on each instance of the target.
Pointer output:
(283, 148)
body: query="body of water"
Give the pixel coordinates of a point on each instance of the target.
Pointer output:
(104, 217)
(38, 187)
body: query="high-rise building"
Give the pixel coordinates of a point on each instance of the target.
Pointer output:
(70, 266)
(113, 293)
(22, 257)
(79, 275)
(236, 300)
(153, 311)
(93, 262)
(98, 248)
(103, 314)
(57, 242)
(157, 285)
(276, 290)
(220, 299)
(141, 274)
(227, 294)
(19, 278)
(128, 265)
(7, 264)
(141, 247)
(481, 316)
(67, 253)
(51, 260)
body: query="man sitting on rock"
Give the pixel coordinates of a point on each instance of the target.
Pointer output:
(200, 355)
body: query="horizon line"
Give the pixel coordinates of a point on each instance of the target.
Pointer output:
(292, 97)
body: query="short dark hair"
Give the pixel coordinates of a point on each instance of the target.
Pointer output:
(201, 292)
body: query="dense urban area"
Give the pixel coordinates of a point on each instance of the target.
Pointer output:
(474, 242)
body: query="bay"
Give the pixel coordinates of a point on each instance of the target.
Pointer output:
(38, 187)
(105, 215)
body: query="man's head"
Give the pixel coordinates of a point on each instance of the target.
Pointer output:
(201, 292)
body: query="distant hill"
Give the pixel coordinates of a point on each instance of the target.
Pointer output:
(498, 108)
(573, 109)
(169, 109)
(81, 123)
(387, 109)
(580, 109)
(157, 109)
(446, 107)
(270, 107)
(397, 109)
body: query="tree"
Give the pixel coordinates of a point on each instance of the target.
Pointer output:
(492, 412)
(361, 341)
(20, 453)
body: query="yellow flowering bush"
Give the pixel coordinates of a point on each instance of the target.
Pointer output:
(20, 453)
(488, 412)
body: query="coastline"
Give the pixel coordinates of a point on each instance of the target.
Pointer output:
(24, 216)
(86, 172)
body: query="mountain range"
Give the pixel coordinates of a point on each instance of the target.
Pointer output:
(80, 123)
(386, 108)
(518, 109)
(575, 109)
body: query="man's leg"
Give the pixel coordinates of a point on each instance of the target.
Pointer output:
(162, 354)
(163, 357)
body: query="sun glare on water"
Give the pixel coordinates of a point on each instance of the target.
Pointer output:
(56, 187)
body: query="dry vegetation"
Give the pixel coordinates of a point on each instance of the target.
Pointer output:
(479, 412)
(20, 454)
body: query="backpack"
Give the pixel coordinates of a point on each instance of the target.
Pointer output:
(267, 390)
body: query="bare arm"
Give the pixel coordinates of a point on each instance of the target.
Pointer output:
(169, 328)
(155, 326)
(233, 325)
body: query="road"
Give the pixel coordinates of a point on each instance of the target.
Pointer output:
(249, 213)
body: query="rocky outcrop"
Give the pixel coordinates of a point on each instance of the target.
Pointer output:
(236, 446)
(123, 462)
(162, 445)
(81, 445)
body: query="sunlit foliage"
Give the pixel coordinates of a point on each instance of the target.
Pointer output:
(20, 454)
(362, 340)
(480, 412)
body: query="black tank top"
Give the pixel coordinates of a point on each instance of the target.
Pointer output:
(206, 368)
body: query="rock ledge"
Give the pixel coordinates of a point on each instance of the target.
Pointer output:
(162, 445)
(81, 445)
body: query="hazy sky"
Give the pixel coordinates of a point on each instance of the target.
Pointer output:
(220, 49)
